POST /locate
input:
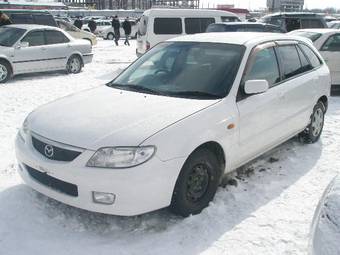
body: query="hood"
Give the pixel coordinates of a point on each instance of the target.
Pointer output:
(106, 116)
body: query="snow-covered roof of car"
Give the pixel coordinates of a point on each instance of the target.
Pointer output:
(241, 38)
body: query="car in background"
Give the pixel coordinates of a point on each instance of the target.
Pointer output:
(76, 32)
(327, 41)
(290, 21)
(158, 25)
(30, 17)
(108, 33)
(334, 24)
(165, 131)
(243, 27)
(325, 228)
(36, 48)
(101, 25)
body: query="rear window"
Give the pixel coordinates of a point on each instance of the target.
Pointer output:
(197, 25)
(167, 26)
(311, 23)
(44, 20)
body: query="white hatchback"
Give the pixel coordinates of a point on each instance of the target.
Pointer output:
(165, 130)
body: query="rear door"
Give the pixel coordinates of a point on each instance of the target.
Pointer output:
(331, 53)
(34, 57)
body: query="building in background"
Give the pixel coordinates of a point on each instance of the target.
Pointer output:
(285, 5)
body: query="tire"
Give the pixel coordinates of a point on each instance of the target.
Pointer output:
(196, 184)
(5, 71)
(74, 64)
(313, 131)
(110, 36)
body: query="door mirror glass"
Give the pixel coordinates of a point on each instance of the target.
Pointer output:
(255, 86)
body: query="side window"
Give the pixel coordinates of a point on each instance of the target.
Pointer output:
(290, 61)
(197, 25)
(264, 67)
(55, 37)
(332, 43)
(306, 66)
(167, 26)
(34, 38)
(311, 23)
(19, 18)
(292, 24)
(313, 58)
(44, 20)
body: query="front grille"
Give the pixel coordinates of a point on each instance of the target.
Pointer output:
(56, 184)
(53, 152)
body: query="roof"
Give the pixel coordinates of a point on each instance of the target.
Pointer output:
(192, 12)
(31, 26)
(240, 38)
(289, 14)
(318, 30)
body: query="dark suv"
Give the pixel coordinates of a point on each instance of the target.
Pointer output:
(243, 27)
(295, 20)
(30, 17)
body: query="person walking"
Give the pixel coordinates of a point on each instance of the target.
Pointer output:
(116, 26)
(127, 30)
(92, 25)
(4, 19)
(78, 23)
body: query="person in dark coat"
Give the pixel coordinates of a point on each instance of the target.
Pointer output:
(127, 30)
(78, 23)
(116, 26)
(92, 25)
(4, 20)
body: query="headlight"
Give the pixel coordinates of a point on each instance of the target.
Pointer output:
(23, 131)
(121, 157)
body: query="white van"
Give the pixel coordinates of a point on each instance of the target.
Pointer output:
(158, 25)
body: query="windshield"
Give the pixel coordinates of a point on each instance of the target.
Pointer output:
(310, 35)
(10, 35)
(184, 69)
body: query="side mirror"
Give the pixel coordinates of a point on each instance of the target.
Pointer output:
(22, 45)
(255, 86)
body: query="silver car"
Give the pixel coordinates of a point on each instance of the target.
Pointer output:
(35, 48)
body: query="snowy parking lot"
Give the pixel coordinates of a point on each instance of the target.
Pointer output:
(269, 211)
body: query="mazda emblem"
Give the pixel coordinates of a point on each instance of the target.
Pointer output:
(48, 150)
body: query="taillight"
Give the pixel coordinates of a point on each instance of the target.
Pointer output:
(148, 46)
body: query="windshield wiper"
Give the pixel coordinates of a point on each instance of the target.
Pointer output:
(136, 88)
(194, 94)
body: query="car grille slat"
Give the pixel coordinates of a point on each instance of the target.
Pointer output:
(54, 183)
(59, 154)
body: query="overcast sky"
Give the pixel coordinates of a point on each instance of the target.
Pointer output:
(255, 4)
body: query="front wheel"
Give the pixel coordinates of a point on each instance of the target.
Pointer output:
(110, 36)
(313, 131)
(74, 64)
(5, 72)
(196, 184)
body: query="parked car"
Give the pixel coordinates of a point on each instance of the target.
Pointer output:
(76, 32)
(203, 105)
(325, 229)
(36, 48)
(108, 32)
(158, 25)
(295, 20)
(327, 41)
(30, 17)
(334, 24)
(101, 25)
(243, 27)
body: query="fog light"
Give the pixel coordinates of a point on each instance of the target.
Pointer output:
(103, 198)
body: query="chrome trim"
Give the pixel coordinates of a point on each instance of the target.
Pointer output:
(57, 144)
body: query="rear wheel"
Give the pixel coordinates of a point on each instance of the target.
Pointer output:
(74, 64)
(196, 184)
(110, 36)
(313, 131)
(5, 71)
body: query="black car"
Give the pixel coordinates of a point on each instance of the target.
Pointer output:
(243, 27)
(295, 20)
(30, 17)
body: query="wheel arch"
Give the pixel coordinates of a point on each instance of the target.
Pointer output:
(324, 100)
(78, 54)
(2, 58)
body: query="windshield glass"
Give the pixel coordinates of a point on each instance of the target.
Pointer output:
(310, 35)
(184, 69)
(10, 35)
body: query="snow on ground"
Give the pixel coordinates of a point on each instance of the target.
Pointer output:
(269, 212)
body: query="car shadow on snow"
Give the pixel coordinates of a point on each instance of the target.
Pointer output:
(258, 183)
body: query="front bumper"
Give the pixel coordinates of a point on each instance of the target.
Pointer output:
(138, 190)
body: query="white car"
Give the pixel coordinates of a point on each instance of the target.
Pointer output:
(325, 230)
(36, 48)
(108, 32)
(76, 32)
(166, 129)
(101, 26)
(327, 41)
